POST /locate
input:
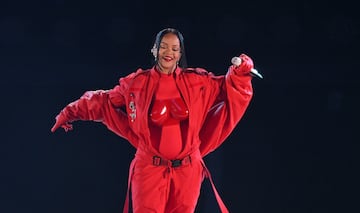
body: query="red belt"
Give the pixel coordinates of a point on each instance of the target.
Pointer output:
(158, 161)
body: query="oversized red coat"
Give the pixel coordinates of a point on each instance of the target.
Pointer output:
(215, 103)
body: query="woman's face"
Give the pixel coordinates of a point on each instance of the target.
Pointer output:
(169, 53)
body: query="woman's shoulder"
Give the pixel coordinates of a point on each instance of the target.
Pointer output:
(196, 70)
(138, 72)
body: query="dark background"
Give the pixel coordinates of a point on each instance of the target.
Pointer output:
(294, 151)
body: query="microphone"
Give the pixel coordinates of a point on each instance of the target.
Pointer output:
(237, 61)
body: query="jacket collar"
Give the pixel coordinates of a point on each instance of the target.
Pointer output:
(177, 71)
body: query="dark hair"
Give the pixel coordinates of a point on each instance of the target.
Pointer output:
(158, 38)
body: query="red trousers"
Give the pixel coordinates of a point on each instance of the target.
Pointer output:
(163, 188)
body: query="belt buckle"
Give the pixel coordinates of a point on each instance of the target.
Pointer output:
(156, 161)
(176, 163)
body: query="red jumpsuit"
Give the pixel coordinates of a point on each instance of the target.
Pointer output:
(210, 108)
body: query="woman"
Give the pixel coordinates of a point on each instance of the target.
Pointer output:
(173, 116)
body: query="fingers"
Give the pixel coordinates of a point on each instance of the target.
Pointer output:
(246, 58)
(55, 127)
(67, 127)
(61, 121)
(247, 63)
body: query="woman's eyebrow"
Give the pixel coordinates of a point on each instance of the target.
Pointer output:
(168, 44)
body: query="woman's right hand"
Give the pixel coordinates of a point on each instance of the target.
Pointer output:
(63, 122)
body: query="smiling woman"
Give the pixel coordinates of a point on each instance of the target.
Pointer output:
(173, 116)
(169, 50)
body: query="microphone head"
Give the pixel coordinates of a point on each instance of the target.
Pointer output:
(236, 61)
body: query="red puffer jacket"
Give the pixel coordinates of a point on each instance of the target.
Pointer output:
(216, 104)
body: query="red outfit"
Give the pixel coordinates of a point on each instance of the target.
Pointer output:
(203, 112)
(167, 111)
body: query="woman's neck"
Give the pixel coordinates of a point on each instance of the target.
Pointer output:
(165, 70)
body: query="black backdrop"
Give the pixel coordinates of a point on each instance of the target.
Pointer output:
(294, 150)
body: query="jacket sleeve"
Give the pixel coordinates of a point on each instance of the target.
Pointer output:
(103, 106)
(227, 109)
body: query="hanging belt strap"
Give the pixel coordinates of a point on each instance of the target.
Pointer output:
(217, 196)
(127, 199)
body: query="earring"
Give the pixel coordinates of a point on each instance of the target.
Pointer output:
(154, 51)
